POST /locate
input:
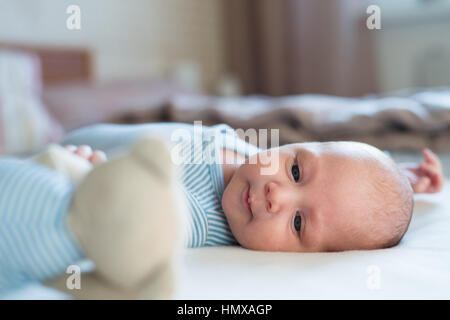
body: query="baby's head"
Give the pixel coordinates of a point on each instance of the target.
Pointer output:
(328, 196)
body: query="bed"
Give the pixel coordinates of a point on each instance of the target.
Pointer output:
(418, 268)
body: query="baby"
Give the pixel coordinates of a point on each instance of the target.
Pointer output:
(330, 196)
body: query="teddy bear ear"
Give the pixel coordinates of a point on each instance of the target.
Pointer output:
(154, 154)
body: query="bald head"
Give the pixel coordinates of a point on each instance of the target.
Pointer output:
(387, 205)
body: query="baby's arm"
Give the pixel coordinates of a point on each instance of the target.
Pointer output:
(427, 176)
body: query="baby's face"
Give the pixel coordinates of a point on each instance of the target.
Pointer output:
(309, 202)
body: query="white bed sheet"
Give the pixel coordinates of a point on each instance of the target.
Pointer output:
(418, 268)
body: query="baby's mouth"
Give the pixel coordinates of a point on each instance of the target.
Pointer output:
(246, 197)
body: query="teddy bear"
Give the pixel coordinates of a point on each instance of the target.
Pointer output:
(126, 214)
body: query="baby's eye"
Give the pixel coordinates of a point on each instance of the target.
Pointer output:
(298, 222)
(295, 172)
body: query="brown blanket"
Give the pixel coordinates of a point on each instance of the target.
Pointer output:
(405, 120)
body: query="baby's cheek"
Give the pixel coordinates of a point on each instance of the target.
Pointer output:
(258, 235)
(226, 201)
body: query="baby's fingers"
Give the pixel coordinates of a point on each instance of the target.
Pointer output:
(422, 185)
(70, 147)
(95, 157)
(431, 157)
(84, 151)
(98, 157)
(435, 175)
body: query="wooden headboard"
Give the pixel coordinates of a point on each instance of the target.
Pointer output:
(59, 65)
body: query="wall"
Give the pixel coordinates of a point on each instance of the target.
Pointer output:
(128, 38)
(412, 47)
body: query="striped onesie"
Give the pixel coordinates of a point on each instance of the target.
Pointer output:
(202, 183)
(35, 243)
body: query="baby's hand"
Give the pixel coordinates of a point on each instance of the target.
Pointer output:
(427, 176)
(95, 157)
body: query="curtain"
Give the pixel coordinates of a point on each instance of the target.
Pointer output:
(300, 46)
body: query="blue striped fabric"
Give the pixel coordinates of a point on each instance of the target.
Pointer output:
(201, 178)
(35, 243)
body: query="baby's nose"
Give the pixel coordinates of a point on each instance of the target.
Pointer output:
(273, 203)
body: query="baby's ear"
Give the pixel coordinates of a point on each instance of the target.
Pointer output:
(155, 156)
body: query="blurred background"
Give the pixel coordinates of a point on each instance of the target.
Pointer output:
(248, 46)
(131, 61)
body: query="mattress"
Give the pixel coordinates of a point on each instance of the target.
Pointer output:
(418, 268)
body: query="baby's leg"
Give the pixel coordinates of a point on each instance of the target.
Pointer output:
(34, 241)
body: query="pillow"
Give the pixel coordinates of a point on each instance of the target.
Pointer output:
(25, 124)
